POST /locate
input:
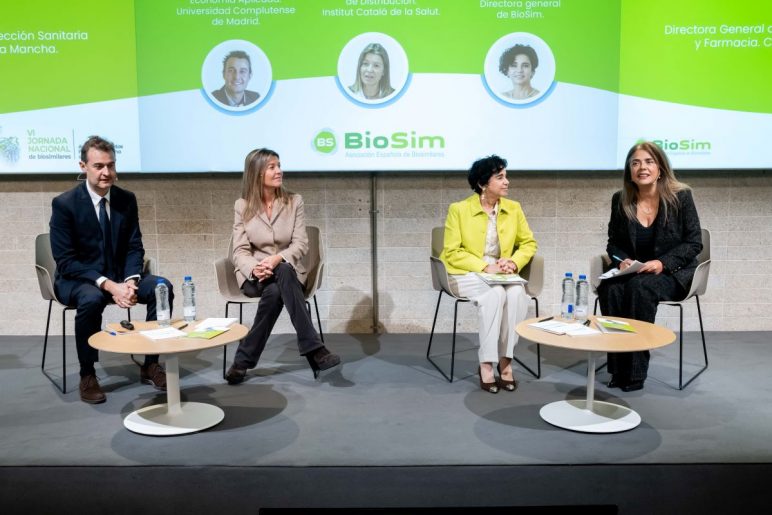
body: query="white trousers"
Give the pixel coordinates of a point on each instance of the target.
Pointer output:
(499, 309)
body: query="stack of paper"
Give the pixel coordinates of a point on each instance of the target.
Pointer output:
(162, 333)
(568, 328)
(211, 327)
(608, 325)
(502, 278)
(615, 272)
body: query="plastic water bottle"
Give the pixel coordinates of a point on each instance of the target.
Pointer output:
(582, 296)
(162, 309)
(188, 299)
(567, 303)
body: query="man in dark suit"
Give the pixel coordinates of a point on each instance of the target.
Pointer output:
(97, 245)
(236, 71)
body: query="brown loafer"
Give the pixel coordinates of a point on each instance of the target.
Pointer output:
(153, 374)
(322, 359)
(235, 375)
(90, 391)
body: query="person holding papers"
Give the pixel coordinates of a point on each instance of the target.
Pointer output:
(653, 221)
(269, 241)
(486, 232)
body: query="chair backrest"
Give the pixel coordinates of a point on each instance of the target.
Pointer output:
(438, 240)
(226, 280)
(601, 262)
(533, 272)
(704, 255)
(314, 261)
(598, 265)
(700, 280)
(45, 266)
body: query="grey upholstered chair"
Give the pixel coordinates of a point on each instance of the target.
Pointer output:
(229, 289)
(533, 273)
(601, 263)
(45, 268)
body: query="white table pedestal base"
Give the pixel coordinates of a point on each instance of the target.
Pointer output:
(589, 415)
(604, 417)
(157, 421)
(174, 417)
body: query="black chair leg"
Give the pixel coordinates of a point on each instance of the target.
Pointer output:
(63, 387)
(453, 341)
(431, 337)
(682, 385)
(318, 319)
(536, 374)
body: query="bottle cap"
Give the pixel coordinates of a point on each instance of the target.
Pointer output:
(582, 276)
(570, 308)
(569, 274)
(188, 278)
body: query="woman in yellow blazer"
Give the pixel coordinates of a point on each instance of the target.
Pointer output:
(269, 241)
(487, 232)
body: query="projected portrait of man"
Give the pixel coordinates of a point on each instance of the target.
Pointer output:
(519, 64)
(236, 72)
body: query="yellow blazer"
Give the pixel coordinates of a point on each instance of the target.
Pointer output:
(465, 229)
(259, 237)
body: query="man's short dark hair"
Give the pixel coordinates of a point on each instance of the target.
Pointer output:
(483, 169)
(98, 143)
(237, 54)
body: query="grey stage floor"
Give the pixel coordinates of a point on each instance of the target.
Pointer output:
(389, 407)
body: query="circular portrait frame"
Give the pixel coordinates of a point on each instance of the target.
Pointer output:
(212, 79)
(348, 68)
(498, 84)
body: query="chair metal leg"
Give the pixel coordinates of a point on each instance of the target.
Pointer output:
(431, 337)
(453, 341)
(682, 385)
(241, 321)
(63, 387)
(318, 319)
(536, 374)
(45, 338)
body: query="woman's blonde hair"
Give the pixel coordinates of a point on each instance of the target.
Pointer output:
(667, 185)
(252, 182)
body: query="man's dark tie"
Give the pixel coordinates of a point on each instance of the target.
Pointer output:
(107, 238)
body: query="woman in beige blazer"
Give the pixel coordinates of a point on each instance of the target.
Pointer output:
(269, 241)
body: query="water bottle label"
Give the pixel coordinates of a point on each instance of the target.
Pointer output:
(162, 315)
(189, 312)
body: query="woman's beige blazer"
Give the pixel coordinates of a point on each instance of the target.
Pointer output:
(259, 237)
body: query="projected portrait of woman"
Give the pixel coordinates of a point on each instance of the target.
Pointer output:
(519, 70)
(519, 64)
(372, 78)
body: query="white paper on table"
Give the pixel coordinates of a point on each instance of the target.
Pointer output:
(215, 323)
(162, 333)
(581, 330)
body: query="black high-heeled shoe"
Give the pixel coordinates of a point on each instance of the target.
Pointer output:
(633, 386)
(508, 385)
(616, 382)
(488, 387)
